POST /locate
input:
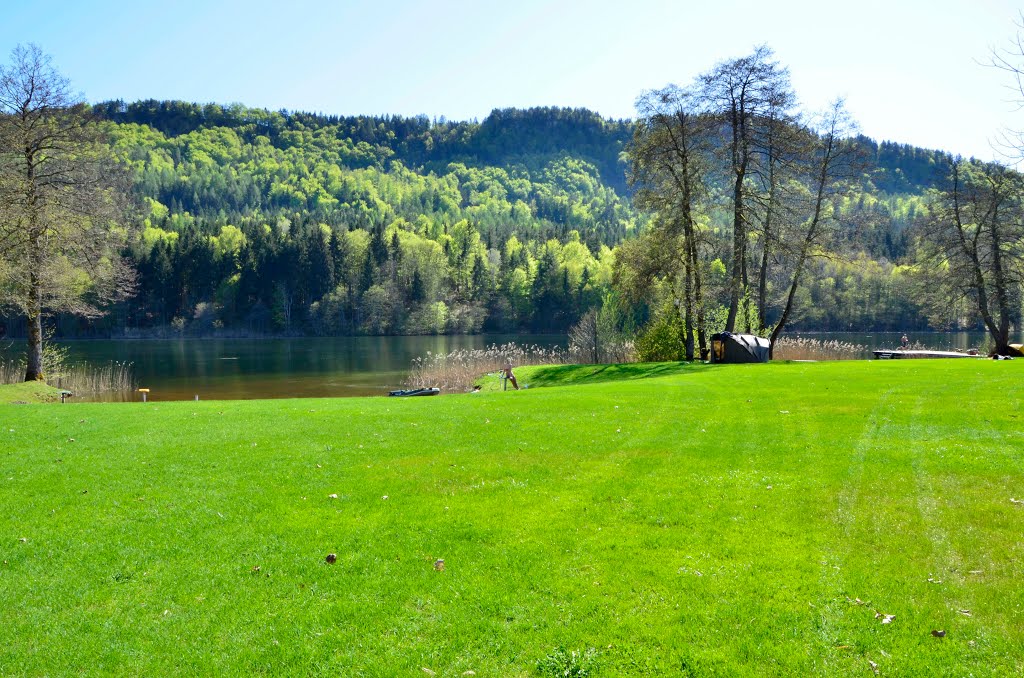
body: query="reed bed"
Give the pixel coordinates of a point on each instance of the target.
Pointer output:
(11, 372)
(457, 370)
(80, 378)
(803, 348)
(87, 377)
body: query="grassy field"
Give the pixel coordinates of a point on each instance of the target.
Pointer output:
(716, 520)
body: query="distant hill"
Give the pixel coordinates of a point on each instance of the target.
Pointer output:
(262, 221)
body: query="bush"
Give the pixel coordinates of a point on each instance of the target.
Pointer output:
(661, 341)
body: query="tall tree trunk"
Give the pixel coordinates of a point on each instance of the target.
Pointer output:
(739, 231)
(34, 354)
(762, 288)
(746, 288)
(698, 299)
(739, 236)
(1001, 285)
(688, 304)
(766, 250)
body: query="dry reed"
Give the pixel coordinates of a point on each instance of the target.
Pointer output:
(802, 348)
(85, 377)
(80, 377)
(457, 370)
(11, 372)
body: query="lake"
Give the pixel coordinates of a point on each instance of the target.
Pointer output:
(947, 341)
(307, 367)
(314, 367)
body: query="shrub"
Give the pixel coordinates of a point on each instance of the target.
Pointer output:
(661, 341)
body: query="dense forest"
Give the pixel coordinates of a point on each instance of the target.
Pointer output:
(260, 222)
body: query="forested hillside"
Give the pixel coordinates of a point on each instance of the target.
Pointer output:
(253, 221)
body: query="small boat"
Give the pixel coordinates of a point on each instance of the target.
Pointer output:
(415, 392)
(908, 353)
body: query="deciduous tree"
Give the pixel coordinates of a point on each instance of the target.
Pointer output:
(59, 202)
(742, 94)
(669, 168)
(973, 244)
(830, 168)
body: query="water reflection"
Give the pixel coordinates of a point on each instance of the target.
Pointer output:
(239, 369)
(938, 341)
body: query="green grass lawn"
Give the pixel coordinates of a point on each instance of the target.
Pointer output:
(717, 520)
(28, 392)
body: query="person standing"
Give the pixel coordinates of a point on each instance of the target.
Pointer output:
(507, 374)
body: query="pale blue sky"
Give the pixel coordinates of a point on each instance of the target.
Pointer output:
(908, 69)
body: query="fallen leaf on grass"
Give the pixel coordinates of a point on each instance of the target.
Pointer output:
(966, 613)
(1016, 501)
(439, 564)
(938, 634)
(886, 618)
(976, 572)
(332, 496)
(874, 666)
(384, 498)
(24, 540)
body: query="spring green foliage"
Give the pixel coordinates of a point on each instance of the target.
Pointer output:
(721, 520)
(266, 222)
(275, 222)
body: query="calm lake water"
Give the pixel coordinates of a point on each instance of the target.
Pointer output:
(239, 369)
(314, 367)
(947, 341)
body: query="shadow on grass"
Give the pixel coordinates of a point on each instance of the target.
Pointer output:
(571, 375)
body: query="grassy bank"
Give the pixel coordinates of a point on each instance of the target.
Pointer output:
(719, 520)
(28, 392)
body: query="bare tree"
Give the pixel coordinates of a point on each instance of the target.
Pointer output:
(782, 146)
(741, 94)
(831, 167)
(585, 337)
(60, 202)
(1010, 59)
(669, 168)
(973, 244)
